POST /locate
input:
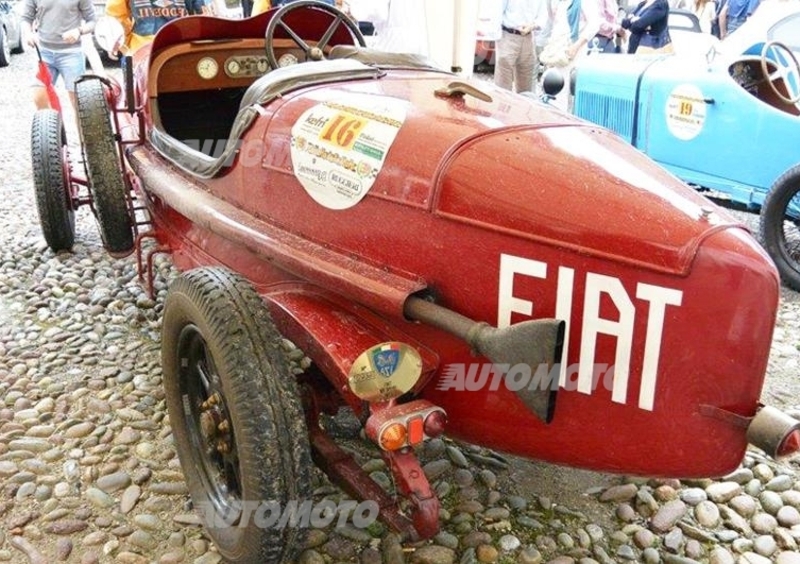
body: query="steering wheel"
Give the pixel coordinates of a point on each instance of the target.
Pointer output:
(786, 71)
(314, 49)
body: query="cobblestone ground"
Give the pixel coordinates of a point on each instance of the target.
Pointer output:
(89, 473)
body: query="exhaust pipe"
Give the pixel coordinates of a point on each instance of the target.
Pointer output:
(774, 432)
(533, 343)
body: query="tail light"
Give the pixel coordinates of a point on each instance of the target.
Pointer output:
(407, 424)
(434, 423)
(393, 436)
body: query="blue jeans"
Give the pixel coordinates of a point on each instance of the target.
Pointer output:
(69, 65)
(734, 23)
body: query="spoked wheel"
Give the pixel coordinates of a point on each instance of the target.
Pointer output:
(235, 413)
(780, 226)
(51, 180)
(103, 168)
(338, 27)
(787, 72)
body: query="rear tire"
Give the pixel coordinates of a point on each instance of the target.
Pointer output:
(51, 180)
(780, 226)
(103, 168)
(219, 342)
(5, 49)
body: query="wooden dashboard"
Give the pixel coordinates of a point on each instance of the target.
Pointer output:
(214, 64)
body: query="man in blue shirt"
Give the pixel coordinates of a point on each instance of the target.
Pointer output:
(734, 14)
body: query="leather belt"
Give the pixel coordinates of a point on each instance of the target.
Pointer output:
(511, 30)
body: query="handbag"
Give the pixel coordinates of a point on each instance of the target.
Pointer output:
(556, 51)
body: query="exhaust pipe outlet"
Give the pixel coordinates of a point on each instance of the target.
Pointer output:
(534, 343)
(774, 432)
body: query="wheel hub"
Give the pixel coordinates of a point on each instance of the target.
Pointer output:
(214, 426)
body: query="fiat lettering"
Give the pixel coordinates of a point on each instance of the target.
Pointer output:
(656, 300)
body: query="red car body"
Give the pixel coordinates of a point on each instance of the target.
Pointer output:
(468, 183)
(495, 207)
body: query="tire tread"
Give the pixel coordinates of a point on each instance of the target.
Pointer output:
(103, 168)
(56, 218)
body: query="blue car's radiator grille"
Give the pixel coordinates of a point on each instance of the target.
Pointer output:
(613, 113)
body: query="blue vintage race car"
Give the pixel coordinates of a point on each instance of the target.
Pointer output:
(726, 120)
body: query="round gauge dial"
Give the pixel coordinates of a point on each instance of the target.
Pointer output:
(262, 66)
(207, 68)
(287, 60)
(232, 67)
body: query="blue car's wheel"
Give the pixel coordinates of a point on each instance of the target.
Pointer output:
(780, 226)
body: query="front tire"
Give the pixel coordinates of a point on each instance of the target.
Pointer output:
(780, 226)
(235, 412)
(51, 180)
(103, 168)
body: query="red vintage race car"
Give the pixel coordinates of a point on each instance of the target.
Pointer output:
(448, 255)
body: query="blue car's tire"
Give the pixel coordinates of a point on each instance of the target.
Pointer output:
(236, 414)
(780, 226)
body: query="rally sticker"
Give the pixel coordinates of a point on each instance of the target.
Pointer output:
(686, 111)
(338, 148)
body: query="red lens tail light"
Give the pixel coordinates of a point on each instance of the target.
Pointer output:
(416, 431)
(435, 423)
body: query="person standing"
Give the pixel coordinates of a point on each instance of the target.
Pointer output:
(734, 14)
(715, 21)
(545, 18)
(595, 25)
(404, 29)
(59, 25)
(515, 59)
(141, 19)
(649, 27)
(706, 11)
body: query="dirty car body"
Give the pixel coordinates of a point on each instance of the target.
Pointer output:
(726, 120)
(440, 251)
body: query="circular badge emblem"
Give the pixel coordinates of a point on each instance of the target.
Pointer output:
(385, 371)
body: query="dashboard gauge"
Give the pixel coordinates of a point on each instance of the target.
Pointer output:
(232, 67)
(287, 60)
(262, 66)
(207, 68)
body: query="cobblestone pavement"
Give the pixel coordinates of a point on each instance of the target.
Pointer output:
(89, 473)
